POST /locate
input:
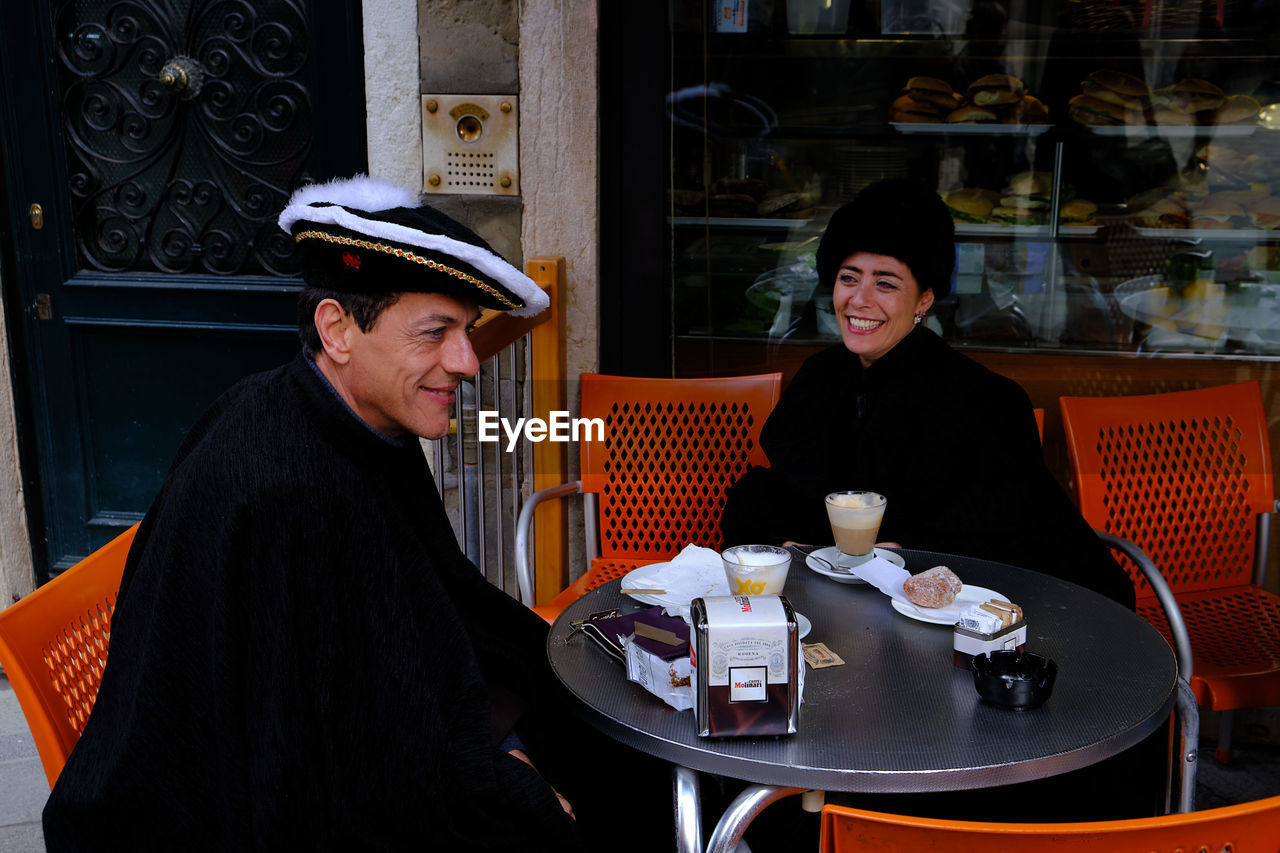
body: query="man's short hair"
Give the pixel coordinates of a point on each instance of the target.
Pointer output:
(364, 308)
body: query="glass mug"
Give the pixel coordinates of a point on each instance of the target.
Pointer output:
(756, 569)
(855, 520)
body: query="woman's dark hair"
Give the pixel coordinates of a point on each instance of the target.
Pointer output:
(897, 217)
(365, 308)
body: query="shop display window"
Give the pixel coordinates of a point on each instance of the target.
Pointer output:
(1113, 168)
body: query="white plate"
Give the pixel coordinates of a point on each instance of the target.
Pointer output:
(831, 555)
(803, 626)
(949, 615)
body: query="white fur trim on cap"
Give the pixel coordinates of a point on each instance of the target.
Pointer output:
(326, 204)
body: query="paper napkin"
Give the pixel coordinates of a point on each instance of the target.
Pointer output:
(693, 573)
(884, 576)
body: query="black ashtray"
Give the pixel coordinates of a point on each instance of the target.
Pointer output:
(1011, 680)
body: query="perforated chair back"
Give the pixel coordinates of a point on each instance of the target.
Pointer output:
(53, 647)
(1183, 475)
(655, 476)
(671, 450)
(1186, 476)
(1243, 828)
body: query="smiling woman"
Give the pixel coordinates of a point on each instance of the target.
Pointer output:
(877, 302)
(894, 410)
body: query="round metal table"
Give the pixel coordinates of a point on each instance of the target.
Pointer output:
(898, 716)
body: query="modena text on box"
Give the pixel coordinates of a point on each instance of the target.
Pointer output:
(558, 427)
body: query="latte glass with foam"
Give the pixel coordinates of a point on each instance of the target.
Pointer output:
(756, 569)
(855, 520)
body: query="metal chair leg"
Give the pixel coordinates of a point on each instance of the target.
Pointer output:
(1189, 719)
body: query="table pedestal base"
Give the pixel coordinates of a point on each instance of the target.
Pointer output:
(732, 824)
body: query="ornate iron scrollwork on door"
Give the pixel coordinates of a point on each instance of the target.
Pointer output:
(186, 126)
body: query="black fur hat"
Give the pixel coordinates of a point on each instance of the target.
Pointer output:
(897, 217)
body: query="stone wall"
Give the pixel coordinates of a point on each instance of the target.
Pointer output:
(559, 162)
(17, 572)
(543, 51)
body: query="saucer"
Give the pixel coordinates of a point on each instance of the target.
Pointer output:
(831, 554)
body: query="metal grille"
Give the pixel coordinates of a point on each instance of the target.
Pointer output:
(474, 171)
(481, 482)
(185, 128)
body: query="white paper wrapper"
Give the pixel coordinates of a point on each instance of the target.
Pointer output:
(976, 619)
(669, 680)
(884, 576)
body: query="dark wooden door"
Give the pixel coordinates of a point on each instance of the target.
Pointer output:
(147, 147)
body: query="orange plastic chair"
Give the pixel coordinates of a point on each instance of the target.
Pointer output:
(53, 646)
(1186, 476)
(657, 482)
(1243, 828)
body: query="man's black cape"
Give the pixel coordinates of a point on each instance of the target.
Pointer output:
(302, 658)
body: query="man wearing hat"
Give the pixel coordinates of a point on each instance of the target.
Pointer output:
(301, 657)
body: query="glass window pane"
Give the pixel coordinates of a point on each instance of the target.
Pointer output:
(1113, 168)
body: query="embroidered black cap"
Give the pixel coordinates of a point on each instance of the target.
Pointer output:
(363, 235)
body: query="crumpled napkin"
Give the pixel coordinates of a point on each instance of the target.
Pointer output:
(693, 573)
(884, 576)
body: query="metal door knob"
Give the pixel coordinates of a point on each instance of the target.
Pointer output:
(183, 76)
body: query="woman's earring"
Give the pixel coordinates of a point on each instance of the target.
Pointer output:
(919, 317)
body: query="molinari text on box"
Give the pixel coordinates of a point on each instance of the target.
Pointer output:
(558, 427)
